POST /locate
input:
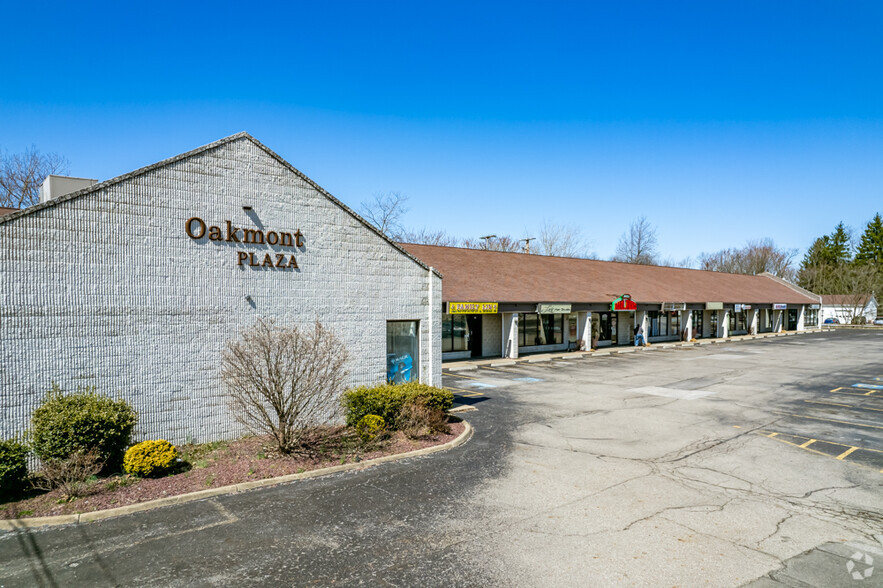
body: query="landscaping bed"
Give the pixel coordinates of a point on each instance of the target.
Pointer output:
(214, 465)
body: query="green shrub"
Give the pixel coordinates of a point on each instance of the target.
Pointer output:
(150, 458)
(80, 422)
(13, 468)
(387, 400)
(370, 426)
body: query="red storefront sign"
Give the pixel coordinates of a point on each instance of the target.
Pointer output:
(624, 302)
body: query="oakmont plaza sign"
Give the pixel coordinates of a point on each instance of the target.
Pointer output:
(197, 229)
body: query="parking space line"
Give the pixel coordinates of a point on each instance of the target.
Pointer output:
(807, 444)
(836, 391)
(464, 393)
(771, 434)
(800, 416)
(844, 405)
(843, 455)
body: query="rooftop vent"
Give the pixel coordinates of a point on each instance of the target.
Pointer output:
(58, 186)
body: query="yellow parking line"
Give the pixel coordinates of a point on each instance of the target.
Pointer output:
(800, 416)
(843, 455)
(807, 444)
(835, 391)
(845, 405)
(825, 441)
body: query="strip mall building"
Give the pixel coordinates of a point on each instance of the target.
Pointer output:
(136, 284)
(500, 304)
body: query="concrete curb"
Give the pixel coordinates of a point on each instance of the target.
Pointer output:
(98, 515)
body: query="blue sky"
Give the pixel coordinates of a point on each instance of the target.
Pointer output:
(719, 122)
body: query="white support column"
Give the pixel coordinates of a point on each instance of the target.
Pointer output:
(686, 319)
(801, 318)
(752, 321)
(778, 315)
(510, 335)
(723, 324)
(432, 373)
(645, 324)
(584, 329)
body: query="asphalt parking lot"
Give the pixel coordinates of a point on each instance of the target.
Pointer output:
(837, 414)
(752, 463)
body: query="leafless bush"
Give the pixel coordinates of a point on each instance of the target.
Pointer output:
(71, 474)
(284, 381)
(418, 420)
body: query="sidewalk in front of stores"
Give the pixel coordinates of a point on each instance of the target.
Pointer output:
(472, 364)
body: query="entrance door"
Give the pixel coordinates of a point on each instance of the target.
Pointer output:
(792, 319)
(474, 325)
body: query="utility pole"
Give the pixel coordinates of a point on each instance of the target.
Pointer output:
(527, 241)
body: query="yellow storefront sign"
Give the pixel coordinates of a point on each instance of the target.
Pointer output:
(473, 308)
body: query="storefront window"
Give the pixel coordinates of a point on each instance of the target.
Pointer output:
(402, 351)
(712, 322)
(454, 332)
(653, 319)
(737, 321)
(540, 329)
(674, 322)
(606, 327)
(697, 323)
(811, 318)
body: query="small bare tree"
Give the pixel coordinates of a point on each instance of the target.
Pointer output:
(22, 174)
(638, 245)
(284, 381)
(385, 212)
(562, 241)
(428, 237)
(755, 258)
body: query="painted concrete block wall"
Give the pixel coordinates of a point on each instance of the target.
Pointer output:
(108, 290)
(492, 335)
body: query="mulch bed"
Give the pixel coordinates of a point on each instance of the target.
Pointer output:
(212, 466)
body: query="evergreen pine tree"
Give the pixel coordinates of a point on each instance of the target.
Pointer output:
(870, 250)
(839, 249)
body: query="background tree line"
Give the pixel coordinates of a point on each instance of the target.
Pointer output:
(840, 263)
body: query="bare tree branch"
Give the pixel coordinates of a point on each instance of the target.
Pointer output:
(562, 241)
(22, 174)
(385, 212)
(638, 245)
(284, 381)
(755, 258)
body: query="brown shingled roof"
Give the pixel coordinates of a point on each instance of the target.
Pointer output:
(845, 299)
(494, 276)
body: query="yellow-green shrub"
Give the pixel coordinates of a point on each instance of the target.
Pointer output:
(387, 400)
(150, 458)
(370, 426)
(79, 422)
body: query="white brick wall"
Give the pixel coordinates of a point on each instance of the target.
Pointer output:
(108, 290)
